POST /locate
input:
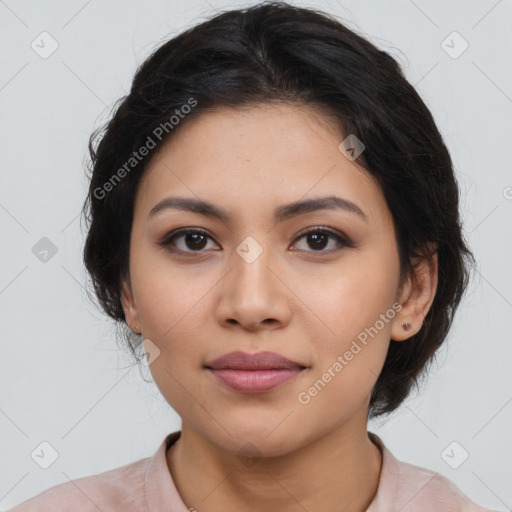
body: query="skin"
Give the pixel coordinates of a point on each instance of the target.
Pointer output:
(303, 302)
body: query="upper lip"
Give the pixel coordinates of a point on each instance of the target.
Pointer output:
(257, 361)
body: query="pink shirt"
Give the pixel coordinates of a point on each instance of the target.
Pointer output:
(147, 486)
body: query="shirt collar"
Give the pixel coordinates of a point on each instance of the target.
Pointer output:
(388, 478)
(161, 493)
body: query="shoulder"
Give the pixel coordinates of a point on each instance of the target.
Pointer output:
(411, 488)
(425, 489)
(121, 488)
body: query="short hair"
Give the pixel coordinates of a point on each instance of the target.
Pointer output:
(276, 52)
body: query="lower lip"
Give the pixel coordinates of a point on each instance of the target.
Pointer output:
(254, 381)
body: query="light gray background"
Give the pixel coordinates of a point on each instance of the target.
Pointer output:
(62, 379)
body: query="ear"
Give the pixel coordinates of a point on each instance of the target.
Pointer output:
(130, 309)
(416, 296)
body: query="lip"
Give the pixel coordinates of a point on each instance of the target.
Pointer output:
(253, 373)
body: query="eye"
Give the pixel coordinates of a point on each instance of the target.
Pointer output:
(318, 238)
(192, 240)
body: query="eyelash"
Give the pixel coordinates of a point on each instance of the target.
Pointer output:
(168, 240)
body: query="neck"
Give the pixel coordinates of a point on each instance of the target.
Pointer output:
(338, 471)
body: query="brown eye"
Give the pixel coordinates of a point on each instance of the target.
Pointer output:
(187, 241)
(319, 238)
(195, 241)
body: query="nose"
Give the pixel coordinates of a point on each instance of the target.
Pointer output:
(253, 294)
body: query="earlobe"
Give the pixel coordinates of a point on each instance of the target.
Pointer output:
(401, 328)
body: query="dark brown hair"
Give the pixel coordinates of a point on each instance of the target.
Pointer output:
(272, 52)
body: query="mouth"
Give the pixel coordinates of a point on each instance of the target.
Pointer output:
(254, 381)
(253, 373)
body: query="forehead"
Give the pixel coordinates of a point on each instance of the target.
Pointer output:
(255, 158)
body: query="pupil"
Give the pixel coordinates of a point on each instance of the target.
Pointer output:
(196, 238)
(315, 239)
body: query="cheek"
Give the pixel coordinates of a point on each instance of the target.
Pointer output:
(169, 297)
(348, 310)
(351, 299)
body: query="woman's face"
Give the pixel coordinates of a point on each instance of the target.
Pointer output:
(253, 281)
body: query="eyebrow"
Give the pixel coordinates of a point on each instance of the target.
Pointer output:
(281, 213)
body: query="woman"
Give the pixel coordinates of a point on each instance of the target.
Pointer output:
(273, 212)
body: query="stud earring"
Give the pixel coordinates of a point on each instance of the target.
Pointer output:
(406, 326)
